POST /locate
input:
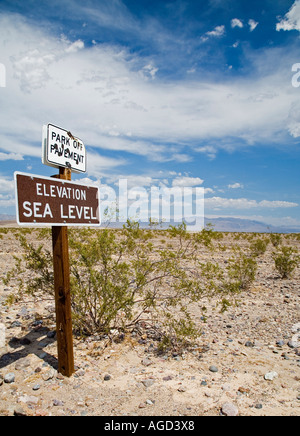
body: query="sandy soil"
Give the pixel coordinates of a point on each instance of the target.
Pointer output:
(128, 378)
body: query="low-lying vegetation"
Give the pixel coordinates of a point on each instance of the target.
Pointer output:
(128, 277)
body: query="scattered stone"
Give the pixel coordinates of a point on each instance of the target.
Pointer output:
(27, 399)
(9, 378)
(22, 364)
(181, 389)
(293, 344)
(258, 406)
(49, 375)
(229, 409)
(19, 411)
(107, 377)
(167, 378)
(146, 362)
(57, 403)
(15, 324)
(243, 390)
(148, 382)
(36, 387)
(249, 344)
(270, 376)
(213, 369)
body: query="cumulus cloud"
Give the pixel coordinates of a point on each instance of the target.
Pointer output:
(253, 24)
(244, 203)
(217, 32)
(235, 186)
(237, 23)
(291, 20)
(209, 150)
(10, 156)
(7, 196)
(114, 100)
(187, 181)
(75, 46)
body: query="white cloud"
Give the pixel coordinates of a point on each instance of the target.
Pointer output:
(149, 71)
(113, 100)
(291, 21)
(253, 24)
(244, 203)
(236, 186)
(10, 156)
(237, 23)
(73, 48)
(209, 150)
(7, 196)
(216, 33)
(187, 181)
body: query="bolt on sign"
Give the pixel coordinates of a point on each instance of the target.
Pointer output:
(43, 201)
(62, 149)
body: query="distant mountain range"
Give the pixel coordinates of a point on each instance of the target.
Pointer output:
(245, 225)
(5, 217)
(220, 225)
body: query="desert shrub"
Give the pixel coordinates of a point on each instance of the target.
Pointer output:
(120, 279)
(275, 239)
(286, 260)
(241, 272)
(259, 247)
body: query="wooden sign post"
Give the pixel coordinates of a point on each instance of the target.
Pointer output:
(61, 267)
(58, 202)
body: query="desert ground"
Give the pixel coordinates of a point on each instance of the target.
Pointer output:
(245, 363)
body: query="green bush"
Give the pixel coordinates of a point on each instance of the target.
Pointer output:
(259, 247)
(120, 278)
(242, 271)
(275, 239)
(286, 260)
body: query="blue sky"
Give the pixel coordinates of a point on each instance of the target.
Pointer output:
(163, 93)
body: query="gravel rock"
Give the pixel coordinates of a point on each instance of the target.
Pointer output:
(29, 399)
(9, 378)
(293, 344)
(213, 369)
(229, 409)
(270, 376)
(146, 362)
(148, 383)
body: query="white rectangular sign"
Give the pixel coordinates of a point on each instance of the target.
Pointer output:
(62, 149)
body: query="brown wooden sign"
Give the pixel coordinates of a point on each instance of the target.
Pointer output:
(43, 201)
